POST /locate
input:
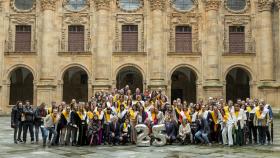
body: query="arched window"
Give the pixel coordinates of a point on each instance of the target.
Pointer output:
(76, 5)
(236, 5)
(183, 5)
(24, 4)
(129, 4)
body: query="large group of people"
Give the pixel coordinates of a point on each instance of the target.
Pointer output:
(111, 118)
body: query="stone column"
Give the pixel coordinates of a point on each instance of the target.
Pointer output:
(157, 60)
(212, 85)
(212, 41)
(103, 52)
(266, 41)
(48, 41)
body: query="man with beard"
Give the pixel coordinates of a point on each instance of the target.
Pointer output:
(28, 123)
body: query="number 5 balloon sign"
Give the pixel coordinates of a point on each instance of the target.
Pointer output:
(143, 139)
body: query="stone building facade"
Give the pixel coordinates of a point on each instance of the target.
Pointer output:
(192, 49)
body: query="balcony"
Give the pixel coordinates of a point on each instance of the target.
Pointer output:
(175, 48)
(239, 48)
(20, 47)
(77, 47)
(129, 48)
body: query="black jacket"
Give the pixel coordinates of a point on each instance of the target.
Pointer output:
(16, 115)
(39, 115)
(74, 118)
(28, 113)
(115, 129)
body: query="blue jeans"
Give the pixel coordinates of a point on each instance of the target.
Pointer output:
(202, 137)
(46, 133)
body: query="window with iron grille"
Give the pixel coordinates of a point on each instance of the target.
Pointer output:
(76, 38)
(130, 38)
(236, 39)
(183, 39)
(23, 38)
(236, 5)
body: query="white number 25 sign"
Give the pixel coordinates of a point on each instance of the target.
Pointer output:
(144, 140)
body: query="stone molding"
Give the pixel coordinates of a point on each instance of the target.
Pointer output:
(265, 5)
(157, 4)
(48, 5)
(212, 5)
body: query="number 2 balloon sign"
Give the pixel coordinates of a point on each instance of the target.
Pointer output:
(143, 139)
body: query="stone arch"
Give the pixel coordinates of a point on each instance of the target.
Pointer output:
(184, 83)
(238, 83)
(75, 83)
(131, 75)
(21, 84)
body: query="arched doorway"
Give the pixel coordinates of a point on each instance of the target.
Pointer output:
(183, 84)
(237, 84)
(75, 85)
(21, 87)
(130, 76)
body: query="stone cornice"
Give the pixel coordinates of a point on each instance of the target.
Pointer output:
(102, 4)
(48, 4)
(157, 4)
(212, 4)
(265, 5)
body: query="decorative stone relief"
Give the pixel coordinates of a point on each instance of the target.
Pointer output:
(75, 19)
(157, 4)
(239, 20)
(129, 19)
(189, 19)
(265, 5)
(212, 4)
(102, 4)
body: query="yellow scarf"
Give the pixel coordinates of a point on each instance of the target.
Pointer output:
(53, 118)
(215, 119)
(177, 109)
(90, 115)
(258, 113)
(49, 110)
(226, 109)
(125, 127)
(236, 114)
(81, 115)
(187, 114)
(107, 116)
(153, 115)
(132, 114)
(65, 114)
(249, 109)
(225, 118)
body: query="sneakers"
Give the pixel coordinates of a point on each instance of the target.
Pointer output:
(19, 140)
(32, 142)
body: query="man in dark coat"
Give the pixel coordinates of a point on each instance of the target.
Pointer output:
(16, 121)
(28, 123)
(114, 131)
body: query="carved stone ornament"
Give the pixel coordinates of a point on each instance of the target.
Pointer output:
(75, 19)
(157, 4)
(48, 4)
(187, 19)
(12, 4)
(246, 8)
(128, 19)
(239, 20)
(102, 4)
(212, 4)
(265, 5)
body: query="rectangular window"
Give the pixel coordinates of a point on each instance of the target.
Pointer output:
(76, 38)
(236, 39)
(23, 38)
(183, 39)
(130, 38)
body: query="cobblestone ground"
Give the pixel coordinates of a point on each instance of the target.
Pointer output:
(10, 150)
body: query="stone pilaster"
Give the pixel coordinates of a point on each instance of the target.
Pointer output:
(103, 53)
(212, 83)
(266, 40)
(157, 58)
(47, 53)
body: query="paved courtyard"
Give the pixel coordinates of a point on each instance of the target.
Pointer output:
(10, 150)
